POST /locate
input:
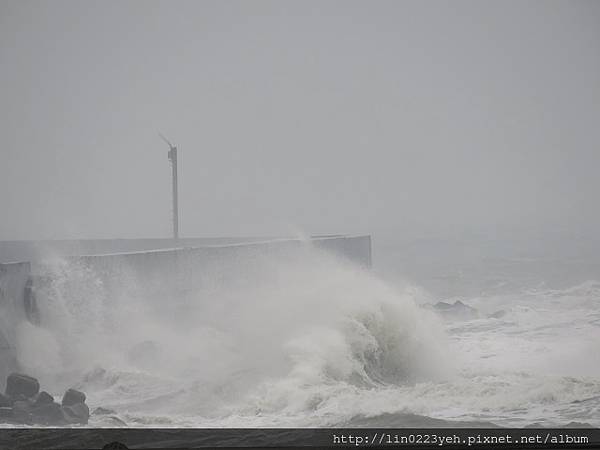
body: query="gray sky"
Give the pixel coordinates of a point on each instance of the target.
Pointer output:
(320, 116)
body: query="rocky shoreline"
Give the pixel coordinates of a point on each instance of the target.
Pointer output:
(23, 404)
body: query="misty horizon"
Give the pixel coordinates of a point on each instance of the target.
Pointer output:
(390, 118)
(299, 217)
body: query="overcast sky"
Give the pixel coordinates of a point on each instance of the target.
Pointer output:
(314, 116)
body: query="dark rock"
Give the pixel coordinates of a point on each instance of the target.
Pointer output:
(100, 411)
(578, 425)
(73, 396)
(48, 414)
(18, 384)
(497, 315)
(77, 413)
(21, 412)
(5, 401)
(43, 398)
(442, 306)
(23, 398)
(456, 310)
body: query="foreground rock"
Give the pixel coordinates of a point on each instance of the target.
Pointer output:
(72, 397)
(48, 414)
(43, 398)
(23, 403)
(77, 413)
(21, 386)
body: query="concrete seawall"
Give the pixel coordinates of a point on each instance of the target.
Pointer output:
(11, 251)
(171, 273)
(161, 273)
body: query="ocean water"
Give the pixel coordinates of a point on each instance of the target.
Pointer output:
(317, 341)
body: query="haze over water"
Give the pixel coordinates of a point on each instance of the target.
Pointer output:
(462, 136)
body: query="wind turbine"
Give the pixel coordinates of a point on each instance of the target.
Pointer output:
(173, 158)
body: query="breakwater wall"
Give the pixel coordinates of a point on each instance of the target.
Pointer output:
(162, 274)
(11, 251)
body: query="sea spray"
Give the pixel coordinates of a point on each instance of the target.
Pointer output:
(287, 328)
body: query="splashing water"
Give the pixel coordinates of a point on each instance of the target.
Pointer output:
(281, 341)
(309, 340)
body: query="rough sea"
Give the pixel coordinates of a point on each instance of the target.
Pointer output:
(320, 342)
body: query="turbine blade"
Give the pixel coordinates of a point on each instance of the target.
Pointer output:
(165, 139)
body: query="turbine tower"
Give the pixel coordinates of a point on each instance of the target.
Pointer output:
(173, 158)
